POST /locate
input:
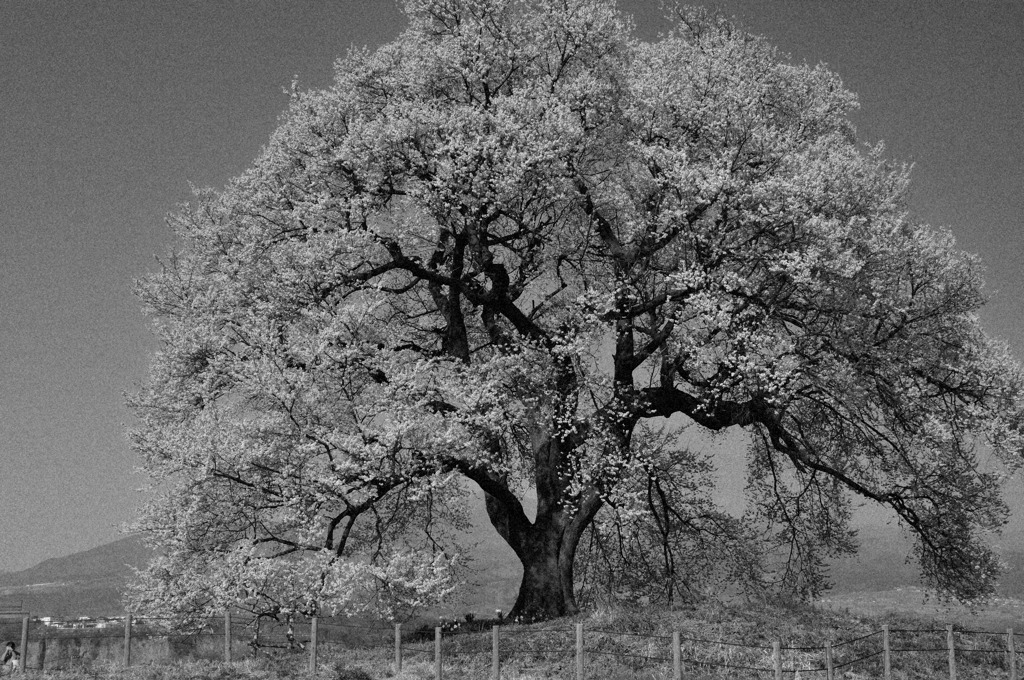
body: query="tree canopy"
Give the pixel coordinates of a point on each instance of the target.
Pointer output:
(513, 251)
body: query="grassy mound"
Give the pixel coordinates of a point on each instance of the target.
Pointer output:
(718, 641)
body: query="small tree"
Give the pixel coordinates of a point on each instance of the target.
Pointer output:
(501, 244)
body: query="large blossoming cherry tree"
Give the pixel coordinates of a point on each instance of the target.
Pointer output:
(500, 255)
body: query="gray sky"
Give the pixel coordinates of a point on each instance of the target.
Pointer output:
(110, 109)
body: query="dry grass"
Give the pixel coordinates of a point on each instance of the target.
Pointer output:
(718, 641)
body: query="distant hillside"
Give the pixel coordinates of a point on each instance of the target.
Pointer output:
(882, 564)
(88, 583)
(91, 583)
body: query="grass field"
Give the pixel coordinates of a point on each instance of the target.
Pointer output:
(718, 641)
(998, 614)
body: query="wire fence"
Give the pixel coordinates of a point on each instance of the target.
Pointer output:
(878, 653)
(49, 643)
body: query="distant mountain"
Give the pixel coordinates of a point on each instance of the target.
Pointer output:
(91, 583)
(882, 564)
(88, 583)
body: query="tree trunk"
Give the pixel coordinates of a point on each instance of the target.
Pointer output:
(546, 547)
(547, 550)
(546, 590)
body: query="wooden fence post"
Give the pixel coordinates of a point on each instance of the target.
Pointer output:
(777, 655)
(128, 639)
(398, 648)
(952, 652)
(227, 636)
(886, 653)
(579, 651)
(495, 660)
(677, 657)
(313, 640)
(1011, 650)
(830, 671)
(437, 653)
(24, 644)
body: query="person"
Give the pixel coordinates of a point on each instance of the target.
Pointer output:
(10, 657)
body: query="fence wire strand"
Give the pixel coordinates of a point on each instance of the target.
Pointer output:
(714, 664)
(619, 632)
(920, 649)
(857, 660)
(856, 639)
(627, 654)
(723, 642)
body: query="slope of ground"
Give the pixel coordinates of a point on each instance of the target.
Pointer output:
(717, 642)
